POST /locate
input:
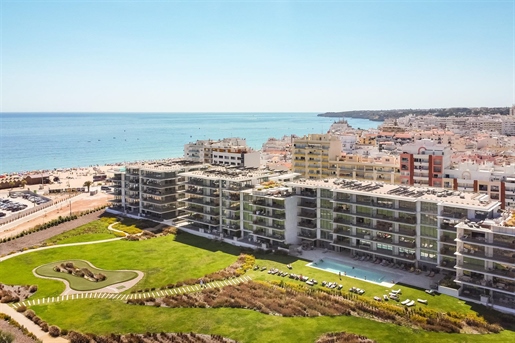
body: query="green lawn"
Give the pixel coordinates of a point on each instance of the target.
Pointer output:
(93, 231)
(441, 302)
(171, 259)
(82, 284)
(106, 316)
(164, 260)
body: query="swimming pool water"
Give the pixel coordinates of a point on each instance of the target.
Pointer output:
(353, 271)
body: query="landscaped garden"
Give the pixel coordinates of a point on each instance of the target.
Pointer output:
(82, 276)
(269, 309)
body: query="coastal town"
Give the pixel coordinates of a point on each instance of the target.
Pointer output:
(430, 199)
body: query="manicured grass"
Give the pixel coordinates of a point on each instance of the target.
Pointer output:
(82, 284)
(164, 260)
(93, 231)
(104, 316)
(441, 302)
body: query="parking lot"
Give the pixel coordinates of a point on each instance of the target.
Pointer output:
(19, 201)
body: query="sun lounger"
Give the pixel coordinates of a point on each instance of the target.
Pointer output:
(431, 291)
(377, 298)
(405, 302)
(411, 303)
(340, 287)
(399, 291)
(361, 291)
(385, 297)
(394, 297)
(422, 301)
(309, 283)
(264, 268)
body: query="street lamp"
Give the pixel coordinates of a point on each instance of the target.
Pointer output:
(70, 207)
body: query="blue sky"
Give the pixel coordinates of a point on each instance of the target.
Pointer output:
(218, 56)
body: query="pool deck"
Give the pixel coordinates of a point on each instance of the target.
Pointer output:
(405, 277)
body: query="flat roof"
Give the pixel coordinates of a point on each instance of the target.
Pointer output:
(407, 193)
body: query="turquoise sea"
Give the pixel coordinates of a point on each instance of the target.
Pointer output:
(40, 141)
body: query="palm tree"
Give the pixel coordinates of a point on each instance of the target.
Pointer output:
(23, 183)
(88, 184)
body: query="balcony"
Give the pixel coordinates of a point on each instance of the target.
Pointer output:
(307, 214)
(457, 215)
(341, 220)
(263, 233)
(308, 194)
(306, 235)
(363, 225)
(308, 204)
(307, 224)
(448, 227)
(345, 200)
(159, 202)
(159, 209)
(340, 209)
(153, 191)
(504, 273)
(481, 241)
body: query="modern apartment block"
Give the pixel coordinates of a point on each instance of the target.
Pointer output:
(232, 152)
(150, 190)
(311, 155)
(462, 234)
(485, 262)
(235, 203)
(423, 163)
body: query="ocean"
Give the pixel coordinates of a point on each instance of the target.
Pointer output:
(42, 141)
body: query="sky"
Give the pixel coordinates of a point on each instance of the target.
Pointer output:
(254, 56)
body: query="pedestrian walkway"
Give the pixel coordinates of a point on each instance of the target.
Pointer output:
(30, 326)
(125, 297)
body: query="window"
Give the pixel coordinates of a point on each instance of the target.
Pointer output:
(384, 246)
(429, 207)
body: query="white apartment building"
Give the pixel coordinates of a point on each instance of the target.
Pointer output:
(228, 151)
(497, 181)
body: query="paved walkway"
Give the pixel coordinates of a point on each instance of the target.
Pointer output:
(125, 297)
(110, 227)
(30, 326)
(104, 293)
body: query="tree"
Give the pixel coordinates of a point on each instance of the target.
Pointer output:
(88, 184)
(23, 183)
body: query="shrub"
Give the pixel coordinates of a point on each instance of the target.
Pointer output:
(44, 326)
(54, 331)
(30, 314)
(6, 337)
(21, 309)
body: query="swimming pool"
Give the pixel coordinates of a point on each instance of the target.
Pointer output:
(354, 271)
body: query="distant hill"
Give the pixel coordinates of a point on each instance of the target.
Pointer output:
(381, 115)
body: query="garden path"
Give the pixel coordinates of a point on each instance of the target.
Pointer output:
(124, 297)
(30, 326)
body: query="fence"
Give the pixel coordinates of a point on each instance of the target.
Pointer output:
(30, 211)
